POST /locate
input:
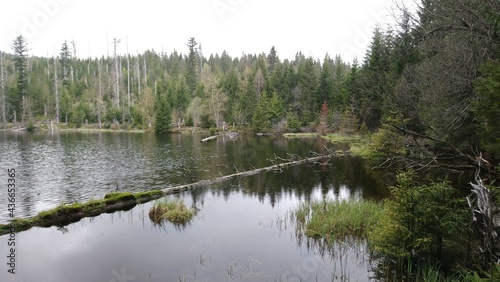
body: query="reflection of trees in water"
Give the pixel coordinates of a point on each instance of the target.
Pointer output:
(341, 177)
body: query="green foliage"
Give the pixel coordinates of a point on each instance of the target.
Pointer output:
(191, 77)
(293, 122)
(189, 121)
(267, 113)
(387, 140)
(79, 115)
(163, 117)
(419, 221)
(487, 107)
(19, 46)
(207, 122)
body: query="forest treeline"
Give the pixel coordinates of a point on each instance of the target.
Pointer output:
(431, 82)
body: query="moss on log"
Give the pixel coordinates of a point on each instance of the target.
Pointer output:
(66, 214)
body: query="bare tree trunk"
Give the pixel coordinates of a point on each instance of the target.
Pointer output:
(138, 75)
(117, 81)
(145, 72)
(73, 44)
(56, 90)
(486, 218)
(213, 105)
(4, 108)
(99, 70)
(128, 75)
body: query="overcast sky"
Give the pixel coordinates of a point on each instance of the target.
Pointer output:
(315, 27)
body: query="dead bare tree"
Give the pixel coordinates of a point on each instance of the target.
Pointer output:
(486, 221)
(115, 42)
(56, 92)
(2, 82)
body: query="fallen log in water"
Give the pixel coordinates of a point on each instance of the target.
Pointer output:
(66, 214)
(187, 187)
(209, 138)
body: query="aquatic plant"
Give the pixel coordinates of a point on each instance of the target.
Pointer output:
(174, 211)
(337, 219)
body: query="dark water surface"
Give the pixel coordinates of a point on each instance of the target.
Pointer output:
(241, 232)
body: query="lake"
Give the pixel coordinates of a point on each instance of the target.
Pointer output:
(241, 232)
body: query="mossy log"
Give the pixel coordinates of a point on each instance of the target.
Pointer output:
(69, 213)
(66, 214)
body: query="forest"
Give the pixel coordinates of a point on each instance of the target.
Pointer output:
(432, 81)
(427, 92)
(428, 86)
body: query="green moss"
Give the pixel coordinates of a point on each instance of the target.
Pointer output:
(93, 205)
(4, 228)
(65, 214)
(21, 223)
(115, 197)
(148, 195)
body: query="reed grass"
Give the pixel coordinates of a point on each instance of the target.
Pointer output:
(174, 211)
(337, 219)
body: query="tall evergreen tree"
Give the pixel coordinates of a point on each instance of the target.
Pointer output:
(326, 86)
(192, 65)
(20, 47)
(272, 60)
(64, 58)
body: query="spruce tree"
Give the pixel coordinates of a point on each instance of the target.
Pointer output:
(163, 116)
(64, 58)
(20, 47)
(191, 65)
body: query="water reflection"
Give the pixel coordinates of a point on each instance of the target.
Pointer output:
(240, 231)
(65, 167)
(235, 236)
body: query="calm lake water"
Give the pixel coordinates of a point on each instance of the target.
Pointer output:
(241, 232)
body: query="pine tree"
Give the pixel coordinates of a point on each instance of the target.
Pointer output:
(20, 47)
(272, 60)
(191, 65)
(64, 58)
(326, 87)
(163, 117)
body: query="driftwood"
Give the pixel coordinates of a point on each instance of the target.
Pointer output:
(19, 129)
(486, 221)
(209, 138)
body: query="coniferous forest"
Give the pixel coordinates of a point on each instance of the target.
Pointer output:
(429, 83)
(427, 92)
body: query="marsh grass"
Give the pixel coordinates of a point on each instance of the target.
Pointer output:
(344, 138)
(360, 145)
(336, 220)
(174, 211)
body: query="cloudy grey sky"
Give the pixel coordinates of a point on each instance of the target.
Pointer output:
(315, 27)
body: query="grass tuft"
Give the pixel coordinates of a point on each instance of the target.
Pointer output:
(174, 211)
(337, 220)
